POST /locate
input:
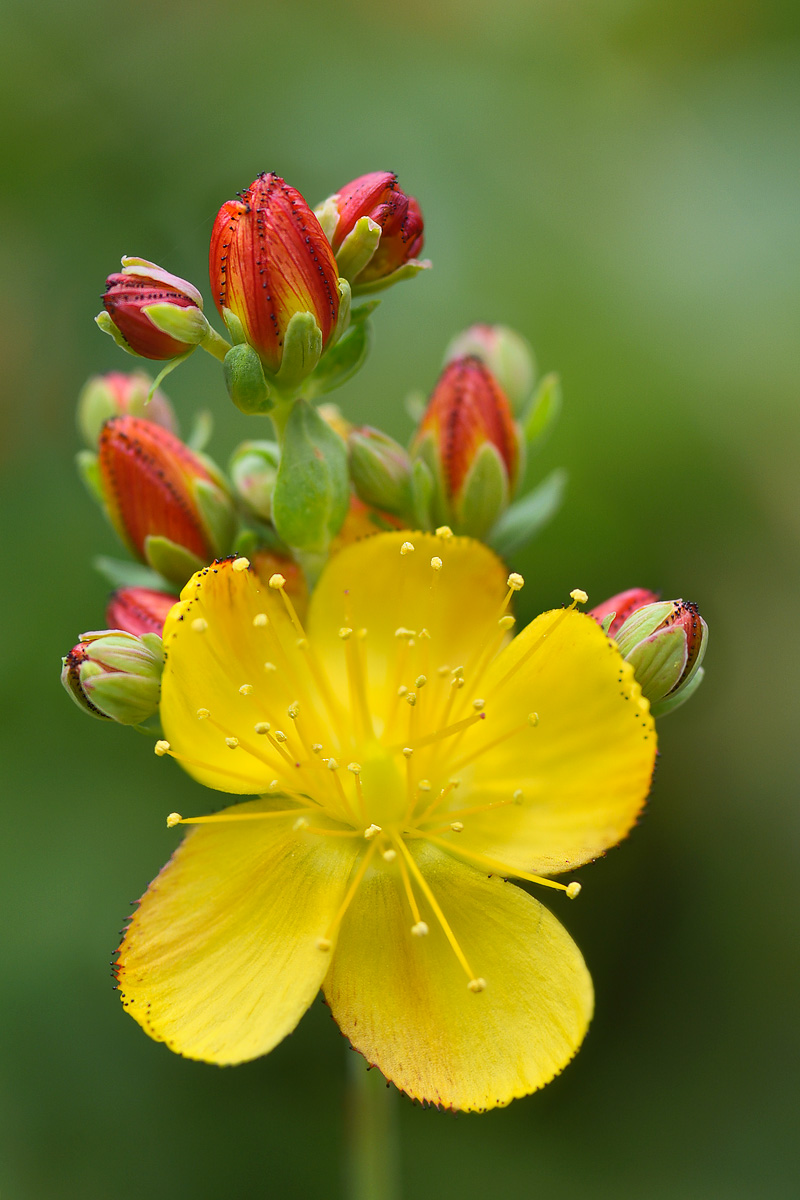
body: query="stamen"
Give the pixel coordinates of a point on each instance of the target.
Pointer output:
(199, 625)
(579, 595)
(369, 833)
(161, 748)
(499, 868)
(202, 714)
(407, 548)
(278, 582)
(222, 818)
(240, 564)
(436, 563)
(232, 743)
(246, 689)
(459, 812)
(260, 620)
(441, 734)
(357, 682)
(423, 885)
(515, 581)
(324, 943)
(532, 649)
(444, 532)
(419, 928)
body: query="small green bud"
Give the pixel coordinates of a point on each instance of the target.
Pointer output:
(380, 469)
(254, 470)
(115, 676)
(665, 644)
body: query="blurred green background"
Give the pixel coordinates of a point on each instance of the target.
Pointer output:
(618, 180)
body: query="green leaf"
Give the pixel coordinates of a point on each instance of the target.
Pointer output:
(544, 410)
(119, 573)
(341, 362)
(312, 489)
(524, 519)
(174, 562)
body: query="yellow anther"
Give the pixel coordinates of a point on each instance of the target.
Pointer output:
(270, 666)
(260, 620)
(274, 784)
(515, 581)
(389, 854)
(173, 819)
(246, 689)
(533, 719)
(203, 714)
(478, 704)
(370, 832)
(457, 826)
(316, 748)
(332, 764)
(277, 581)
(402, 690)
(161, 748)
(199, 624)
(354, 767)
(411, 698)
(293, 711)
(457, 682)
(402, 632)
(507, 622)
(407, 548)
(345, 633)
(443, 670)
(300, 823)
(408, 751)
(518, 797)
(458, 672)
(262, 726)
(279, 735)
(436, 563)
(301, 643)
(477, 985)
(420, 929)
(579, 595)
(420, 681)
(323, 944)
(240, 564)
(424, 785)
(231, 742)
(444, 532)
(573, 889)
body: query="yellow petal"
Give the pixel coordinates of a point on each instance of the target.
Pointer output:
(372, 585)
(220, 960)
(404, 1002)
(232, 656)
(583, 770)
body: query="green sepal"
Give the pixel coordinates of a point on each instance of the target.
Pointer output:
(234, 327)
(660, 708)
(253, 469)
(343, 314)
(358, 248)
(362, 311)
(302, 349)
(607, 622)
(312, 489)
(422, 489)
(641, 624)
(415, 404)
(659, 662)
(174, 562)
(426, 449)
(341, 362)
(216, 513)
(484, 493)
(544, 410)
(126, 699)
(200, 433)
(327, 214)
(527, 516)
(167, 369)
(407, 271)
(104, 322)
(120, 573)
(184, 324)
(381, 470)
(245, 380)
(89, 471)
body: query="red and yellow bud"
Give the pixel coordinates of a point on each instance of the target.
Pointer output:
(137, 300)
(269, 260)
(618, 608)
(119, 395)
(468, 438)
(398, 216)
(139, 610)
(166, 502)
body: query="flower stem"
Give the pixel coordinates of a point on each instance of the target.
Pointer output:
(215, 345)
(372, 1152)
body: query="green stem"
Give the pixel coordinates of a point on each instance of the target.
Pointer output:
(215, 344)
(372, 1149)
(280, 415)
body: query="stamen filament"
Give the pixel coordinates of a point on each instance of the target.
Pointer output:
(425, 889)
(462, 812)
(358, 687)
(483, 860)
(434, 804)
(351, 891)
(503, 737)
(220, 818)
(445, 732)
(412, 903)
(320, 678)
(532, 649)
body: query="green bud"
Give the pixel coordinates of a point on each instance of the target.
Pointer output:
(115, 676)
(254, 470)
(665, 644)
(380, 469)
(312, 489)
(245, 380)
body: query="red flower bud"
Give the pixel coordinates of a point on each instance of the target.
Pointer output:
(160, 495)
(378, 197)
(269, 259)
(139, 610)
(467, 410)
(133, 291)
(623, 604)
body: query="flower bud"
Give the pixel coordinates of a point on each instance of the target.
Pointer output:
(168, 504)
(115, 676)
(152, 313)
(380, 469)
(468, 438)
(254, 469)
(665, 644)
(376, 231)
(119, 395)
(612, 614)
(507, 354)
(139, 610)
(274, 277)
(267, 563)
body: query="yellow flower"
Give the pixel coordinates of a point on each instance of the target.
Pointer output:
(408, 756)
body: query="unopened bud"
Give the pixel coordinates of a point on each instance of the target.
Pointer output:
(665, 644)
(468, 439)
(152, 313)
(380, 469)
(119, 395)
(167, 503)
(253, 470)
(376, 231)
(115, 676)
(508, 356)
(139, 610)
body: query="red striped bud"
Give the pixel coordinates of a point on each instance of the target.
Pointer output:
(376, 229)
(612, 614)
(665, 643)
(118, 395)
(468, 438)
(139, 610)
(152, 313)
(270, 261)
(167, 503)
